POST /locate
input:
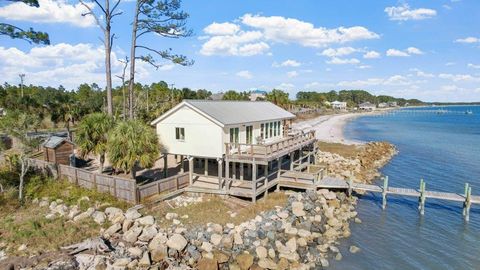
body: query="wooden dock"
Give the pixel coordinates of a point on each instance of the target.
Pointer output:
(421, 193)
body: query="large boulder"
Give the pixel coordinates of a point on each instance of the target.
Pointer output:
(177, 242)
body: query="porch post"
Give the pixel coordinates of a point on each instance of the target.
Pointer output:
(190, 169)
(234, 170)
(300, 154)
(165, 165)
(219, 162)
(266, 180)
(292, 156)
(254, 181)
(241, 171)
(249, 171)
(227, 169)
(206, 167)
(279, 161)
(182, 164)
(314, 153)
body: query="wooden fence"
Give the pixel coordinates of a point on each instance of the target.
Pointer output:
(121, 188)
(169, 184)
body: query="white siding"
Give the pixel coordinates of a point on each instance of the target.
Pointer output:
(203, 138)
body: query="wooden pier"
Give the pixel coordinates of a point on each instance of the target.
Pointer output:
(421, 193)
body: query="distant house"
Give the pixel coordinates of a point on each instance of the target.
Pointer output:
(392, 104)
(58, 150)
(217, 96)
(257, 95)
(382, 105)
(339, 105)
(367, 106)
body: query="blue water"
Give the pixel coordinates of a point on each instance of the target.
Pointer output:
(443, 149)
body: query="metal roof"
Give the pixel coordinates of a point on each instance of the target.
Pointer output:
(227, 112)
(54, 141)
(237, 112)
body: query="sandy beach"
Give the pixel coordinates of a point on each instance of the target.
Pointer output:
(329, 128)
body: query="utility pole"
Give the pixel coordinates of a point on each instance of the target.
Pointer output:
(22, 76)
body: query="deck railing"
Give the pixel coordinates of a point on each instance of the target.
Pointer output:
(244, 149)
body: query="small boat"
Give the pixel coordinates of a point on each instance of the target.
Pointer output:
(468, 112)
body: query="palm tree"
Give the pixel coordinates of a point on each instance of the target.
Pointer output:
(92, 134)
(130, 144)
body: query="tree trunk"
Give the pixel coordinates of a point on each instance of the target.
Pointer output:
(133, 172)
(124, 99)
(102, 161)
(108, 66)
(131, 83)
(23, 172)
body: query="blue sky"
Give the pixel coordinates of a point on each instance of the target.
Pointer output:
(413, 49)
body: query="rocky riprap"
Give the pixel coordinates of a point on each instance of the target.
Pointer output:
(301, 235)
(361, 168)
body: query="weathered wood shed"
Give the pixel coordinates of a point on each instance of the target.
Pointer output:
(58, 150)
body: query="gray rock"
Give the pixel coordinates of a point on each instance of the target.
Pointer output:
(145, 260)
(132, 214)
(261, 252)
(354, 249)
(148, 233)
(113, 229)
(99, 217)
(146, 220)
(84, 215)
(112, 211)
(297, 209)
(177, 242)
(158, 241)
(131, 235)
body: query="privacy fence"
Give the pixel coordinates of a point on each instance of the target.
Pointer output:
(121, 188)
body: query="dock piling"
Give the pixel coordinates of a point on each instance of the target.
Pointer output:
(421, 199)
(350, 186)
(384, 192)
(467, 203)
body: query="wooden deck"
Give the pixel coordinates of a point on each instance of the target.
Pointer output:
(262, 153)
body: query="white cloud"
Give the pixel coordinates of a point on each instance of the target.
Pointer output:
(285, 86)
(405, 53)
(459, 77)
(422, 74)
(395, 80)
(65, 64)
(405, 13)
(221, 29)
(342, 61)
(50, 11)
(449, 64)
(470, 65)
(468, 40)
(371, 55)
(229, 39)
(292, 74)
(287, 63)
(330, 52)
(364, 67)
(413, 50)
(318, 85)
(244, 74)
(239, 44)
(397, 53)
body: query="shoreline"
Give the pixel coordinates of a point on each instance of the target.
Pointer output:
(330, 128)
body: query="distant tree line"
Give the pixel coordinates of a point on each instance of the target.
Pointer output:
(352, 97)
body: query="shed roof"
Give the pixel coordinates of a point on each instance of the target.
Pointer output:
(234, 112)
(54, 141)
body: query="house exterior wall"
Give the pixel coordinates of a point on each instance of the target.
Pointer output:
(256, 132)
(203, 138)
(60, 154)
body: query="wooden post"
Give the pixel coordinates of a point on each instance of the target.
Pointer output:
(350, 186)
(206, 167)
(182, 169)
(266, 180)
(165, 165)
(254, 181)
(421, 201)
(190, 170)
(241, 170)
(314, 153)
(279, 161)
(234, 170)
(384, 192)
(467, 203)
(220, 171)
(292, 156)
(227, 169)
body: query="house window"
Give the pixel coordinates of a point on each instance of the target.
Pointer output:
(266, 130)
(275, 129)
(180, 133)
(249, 134)
(262, 131)
(271, 130)
(279, 128)
(234, 135)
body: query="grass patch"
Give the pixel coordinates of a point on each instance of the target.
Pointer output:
(217, 210)
(344, 150)
(25, 223)
(38, 187)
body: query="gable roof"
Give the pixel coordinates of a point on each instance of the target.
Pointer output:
(226, 112)
(54, 141)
